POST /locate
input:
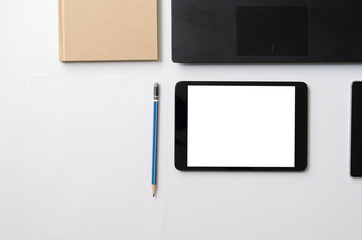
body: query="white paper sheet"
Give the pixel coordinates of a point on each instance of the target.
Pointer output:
(89, 158)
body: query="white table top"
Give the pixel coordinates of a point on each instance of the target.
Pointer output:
(329, 197)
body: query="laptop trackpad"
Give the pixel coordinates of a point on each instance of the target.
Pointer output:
(272, 31)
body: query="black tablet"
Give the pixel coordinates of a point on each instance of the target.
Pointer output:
(241, 126)
(356, 132)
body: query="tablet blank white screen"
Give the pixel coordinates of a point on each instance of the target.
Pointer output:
(241, 126)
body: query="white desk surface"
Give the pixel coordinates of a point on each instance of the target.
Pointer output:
(328, 196)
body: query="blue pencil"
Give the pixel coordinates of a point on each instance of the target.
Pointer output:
(155, 131)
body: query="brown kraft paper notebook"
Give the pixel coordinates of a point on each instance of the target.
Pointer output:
(108, 30)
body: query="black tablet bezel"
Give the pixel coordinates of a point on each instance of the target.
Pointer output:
(301, 125)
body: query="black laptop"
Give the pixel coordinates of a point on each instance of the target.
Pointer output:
(237, 31)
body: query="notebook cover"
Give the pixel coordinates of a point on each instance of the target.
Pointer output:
(107, 30)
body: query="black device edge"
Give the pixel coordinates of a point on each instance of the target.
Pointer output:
(356, 154)
(301, 127)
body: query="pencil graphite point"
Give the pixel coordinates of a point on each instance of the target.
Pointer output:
(154, 190)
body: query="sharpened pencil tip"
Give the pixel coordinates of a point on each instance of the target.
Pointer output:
(153, 195)
(154, 189)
